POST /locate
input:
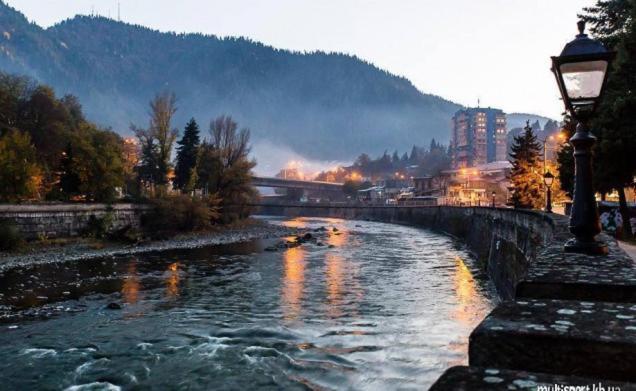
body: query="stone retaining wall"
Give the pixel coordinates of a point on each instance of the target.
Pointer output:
(565, 319)
(67, 220)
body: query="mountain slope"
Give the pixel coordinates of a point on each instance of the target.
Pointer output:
(324, 106)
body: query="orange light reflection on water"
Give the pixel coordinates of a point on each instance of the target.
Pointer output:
(334, 278)
(467, 295)
(131, 286)
(297, 222)
(293, 282)
(172, 280)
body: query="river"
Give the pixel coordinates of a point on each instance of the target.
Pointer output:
(368, 306)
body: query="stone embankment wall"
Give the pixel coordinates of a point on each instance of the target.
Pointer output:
(67, 220)
(565, 319)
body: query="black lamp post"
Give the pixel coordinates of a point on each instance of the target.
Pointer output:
(548, 180)
(493, 198)
(581, 73)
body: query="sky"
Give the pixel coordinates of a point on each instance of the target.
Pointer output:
(494, 51)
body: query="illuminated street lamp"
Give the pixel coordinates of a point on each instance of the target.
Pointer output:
(548, 180)
(493, 198)
(581, 74)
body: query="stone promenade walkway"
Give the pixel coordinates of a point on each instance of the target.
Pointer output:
(629, 249)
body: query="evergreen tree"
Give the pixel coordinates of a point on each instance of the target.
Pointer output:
(536, 126)
(614, 23)
(415, 156)
(395, 158)
(565, 159)
(433, 146)
(526, 174)
(187, 151)
(551, 126)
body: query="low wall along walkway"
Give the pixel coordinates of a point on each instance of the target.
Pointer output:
(67, 220)
(565, 319)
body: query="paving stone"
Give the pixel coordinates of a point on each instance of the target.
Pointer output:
(558, 275)
(476, 379)
(557, 336)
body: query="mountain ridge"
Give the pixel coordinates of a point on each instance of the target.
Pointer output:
(324, 106)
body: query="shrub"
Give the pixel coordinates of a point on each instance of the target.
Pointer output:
(100, 227)
(181, 213)
(10, 238)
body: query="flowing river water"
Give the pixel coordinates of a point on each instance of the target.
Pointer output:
(370, 306)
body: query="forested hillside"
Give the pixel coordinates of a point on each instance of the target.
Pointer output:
(324, 106)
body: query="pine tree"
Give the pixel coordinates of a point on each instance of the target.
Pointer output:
(614, 24)
(526, 174)
(415, 156)
(187, 151)
(395, 158)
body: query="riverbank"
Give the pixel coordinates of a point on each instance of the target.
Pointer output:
(83, 249)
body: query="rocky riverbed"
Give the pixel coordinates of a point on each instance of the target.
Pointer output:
(83, 251)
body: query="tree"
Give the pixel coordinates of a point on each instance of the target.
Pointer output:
(187, 152)
(224, 168)
(69, 177)
(20, 175)
(162, 109)
(395, 158)
(147, 168)
(551, 126)
(415, 155)
(157, 141)
(526, 174)
(565, 159)
(614, 23)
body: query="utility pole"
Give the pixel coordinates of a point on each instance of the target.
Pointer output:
(119, 11)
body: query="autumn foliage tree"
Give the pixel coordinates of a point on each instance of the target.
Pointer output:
(20, 175)
(66, 155)
(526, 174)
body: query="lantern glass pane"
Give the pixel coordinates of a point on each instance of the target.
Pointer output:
(548, 181)
(584, 80)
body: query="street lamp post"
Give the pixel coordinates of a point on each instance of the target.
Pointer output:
(493, 198)
(548, 180)
(581, 73)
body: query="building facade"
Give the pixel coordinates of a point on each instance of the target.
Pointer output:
(478, 136)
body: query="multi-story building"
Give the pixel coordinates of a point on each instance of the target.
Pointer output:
(478, 137)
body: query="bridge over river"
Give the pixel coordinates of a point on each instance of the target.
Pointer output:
(317, 186)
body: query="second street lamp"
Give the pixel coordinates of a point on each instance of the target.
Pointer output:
(581, 74)
(548, 180)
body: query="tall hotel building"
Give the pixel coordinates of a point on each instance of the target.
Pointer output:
(478, 137)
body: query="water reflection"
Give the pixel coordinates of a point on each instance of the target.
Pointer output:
(334, 279)
(293, 282)
(467, 295)
(172, 280)
(130, 288)
(380, 310)
(297, 222)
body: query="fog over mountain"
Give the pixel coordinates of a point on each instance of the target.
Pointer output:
(320, 106)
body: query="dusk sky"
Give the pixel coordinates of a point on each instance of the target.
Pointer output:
(497, 51)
